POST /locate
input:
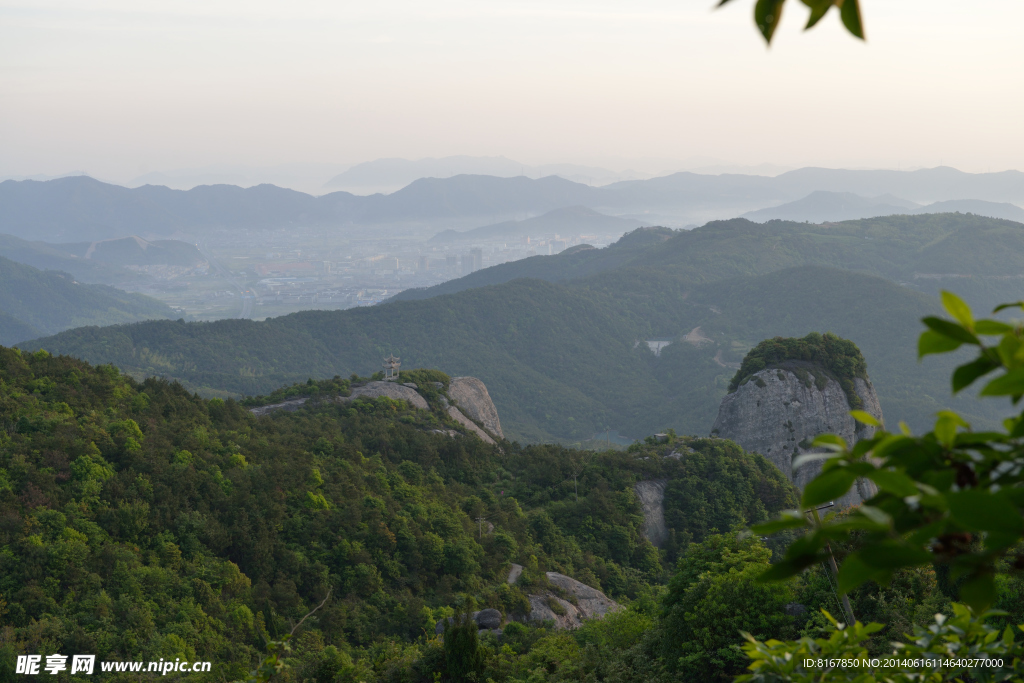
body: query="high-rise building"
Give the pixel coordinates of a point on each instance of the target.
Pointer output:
(477, 255)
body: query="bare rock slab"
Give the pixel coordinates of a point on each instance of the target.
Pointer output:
(391, 390)
(778, 415)
(590, 603)
(290, 406)
(652, 495)
(470, 425)
(474, 400)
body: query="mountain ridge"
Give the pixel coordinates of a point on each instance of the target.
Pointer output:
(79, 208)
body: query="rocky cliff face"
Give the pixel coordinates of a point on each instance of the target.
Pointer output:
(778, 414)
(468, 393)
(651, 493)
(473, 400)
(583, 601)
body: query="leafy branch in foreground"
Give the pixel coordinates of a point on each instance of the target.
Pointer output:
(951, 497)
(946, 650)
(768, 13)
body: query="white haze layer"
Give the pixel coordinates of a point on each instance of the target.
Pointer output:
(121, 88)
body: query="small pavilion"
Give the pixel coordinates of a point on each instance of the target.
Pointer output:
(391, 365)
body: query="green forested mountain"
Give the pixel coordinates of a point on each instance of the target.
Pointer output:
(566, 359)
(983, 257)
(560, 361)
(34, 302)
(144, 522)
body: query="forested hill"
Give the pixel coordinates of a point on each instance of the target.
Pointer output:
(568, 359)
(143, 522)
(35, 302)
(561, 360)
(980, 257)
(575, 262)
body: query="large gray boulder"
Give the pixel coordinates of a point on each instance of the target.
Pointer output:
(777, 414)
(590, 603)
(474, 400)
(391, 390)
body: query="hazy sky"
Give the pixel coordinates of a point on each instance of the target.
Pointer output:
(122, 87)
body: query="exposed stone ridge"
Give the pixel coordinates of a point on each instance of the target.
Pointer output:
(469, 424)
(470, 394)
(290, 405)
(391, 390)
(652, 494)
(778, 415)
(590, 603)
(474, 400)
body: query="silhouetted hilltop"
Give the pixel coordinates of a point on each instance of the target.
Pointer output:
(80, 208)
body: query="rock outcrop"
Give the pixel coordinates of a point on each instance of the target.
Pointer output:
(473, 400)
(290, 405)
(469, 424)
(778, 414)
(391, 390)
(583, 603)
(652, 495)
(469, 394)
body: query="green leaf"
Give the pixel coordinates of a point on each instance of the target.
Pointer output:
(964, 375)
(850, 13)
(983, 511)
(1010, 384)
(1016, 304)
(818, 9)
(780, 524)
(827, 487)
(893, 555)
(876, 515)
(956, 307)
(950, 329)
(767, 14)
(781, 571)
(1007, 350)
(829, 441)
(865, 418)
(931, 341)
(979, 591)
(896, 483)
(853, 573)
(992, 327)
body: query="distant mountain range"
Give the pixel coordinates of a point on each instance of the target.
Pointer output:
(35, 302)
(389, 175)
(79, 208)
(823, 206)
(573, 220)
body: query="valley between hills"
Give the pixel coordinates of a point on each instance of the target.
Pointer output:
(561, 340)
